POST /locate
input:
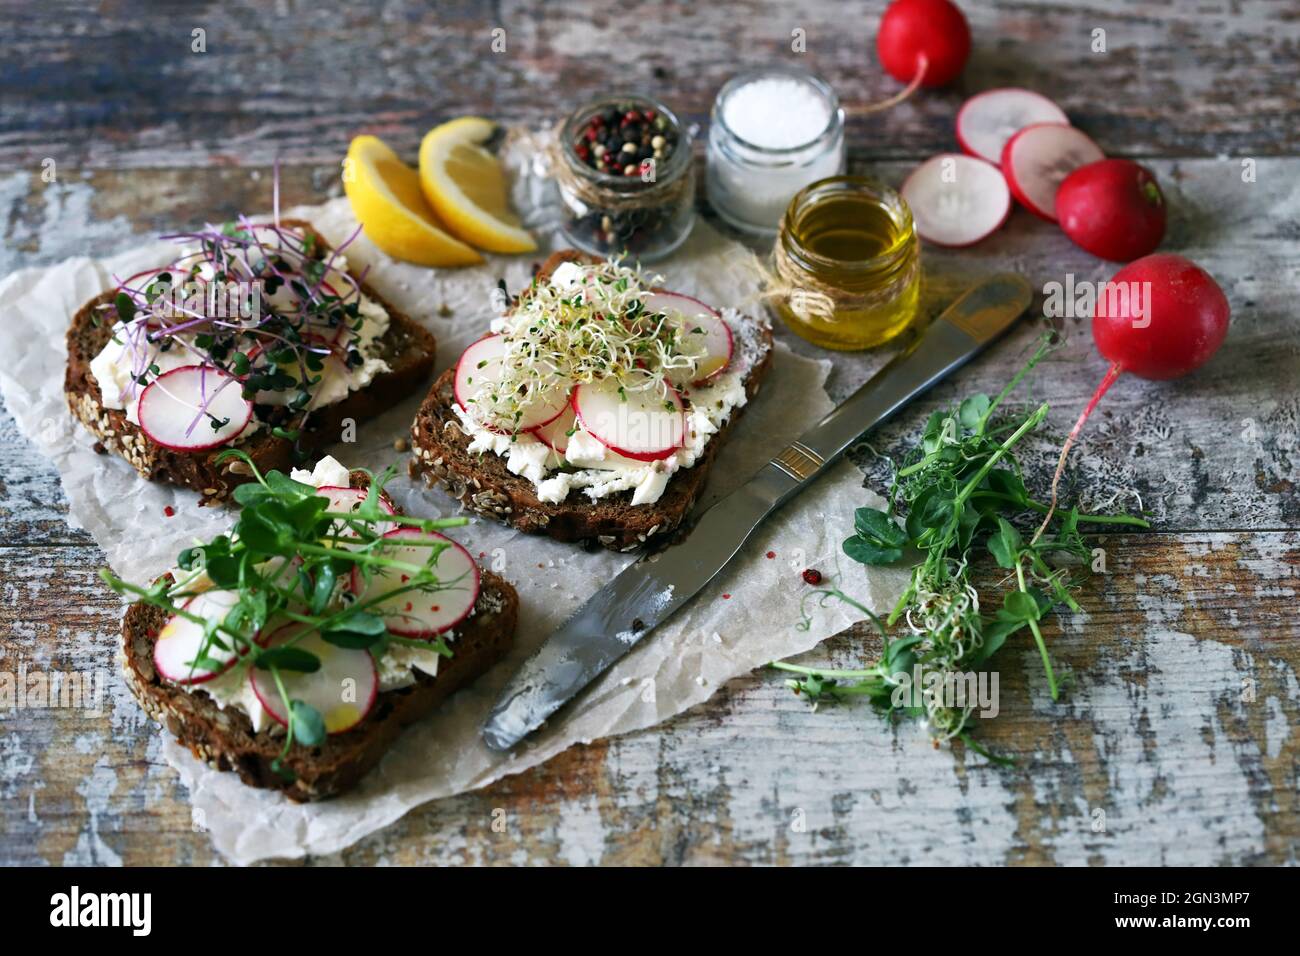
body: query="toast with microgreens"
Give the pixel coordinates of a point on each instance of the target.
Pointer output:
(295, 649)
(594, 409)
(255, 337)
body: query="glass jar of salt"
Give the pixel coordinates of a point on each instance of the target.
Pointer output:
(772, 132)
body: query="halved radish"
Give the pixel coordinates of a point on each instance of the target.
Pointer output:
(956, 200)
(180, 641)
(479, 369)
(193, 408)
(421, 613)
(986, 121)
(1039, 157)
(555, 434)
(641, 425)
(701, 325)
(343, 690)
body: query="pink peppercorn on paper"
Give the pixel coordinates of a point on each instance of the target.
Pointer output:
(712, 640)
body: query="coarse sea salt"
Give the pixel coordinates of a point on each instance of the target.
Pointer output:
(776, 112)
(773, 132)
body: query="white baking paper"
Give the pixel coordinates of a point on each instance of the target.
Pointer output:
(745, 618)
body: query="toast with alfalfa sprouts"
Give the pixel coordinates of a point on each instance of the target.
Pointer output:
(297, 669)
(594, 408)
(180, 362)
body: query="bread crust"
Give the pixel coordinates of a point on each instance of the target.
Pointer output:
(224, 739)
(410, 346)
(483, 484)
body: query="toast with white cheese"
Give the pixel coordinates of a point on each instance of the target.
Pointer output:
(224, 737)
(483, 482)
(406, 348)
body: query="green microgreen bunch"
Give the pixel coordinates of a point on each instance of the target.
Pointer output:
(599, 329)
(290, 560)
(280, 357)
(959, 487)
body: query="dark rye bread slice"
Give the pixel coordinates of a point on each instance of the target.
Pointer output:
(407, 348)
(483, 484)
(225, 740)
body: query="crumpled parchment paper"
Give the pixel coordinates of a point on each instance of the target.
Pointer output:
(744, 619)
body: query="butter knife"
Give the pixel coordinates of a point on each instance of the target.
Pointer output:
(619, 615)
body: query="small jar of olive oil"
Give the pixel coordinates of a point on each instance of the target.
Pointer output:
(848, 264)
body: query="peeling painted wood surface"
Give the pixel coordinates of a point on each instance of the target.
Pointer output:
(1176, 742)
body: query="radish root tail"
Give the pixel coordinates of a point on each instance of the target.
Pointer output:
(1111, 374)
(922, 63)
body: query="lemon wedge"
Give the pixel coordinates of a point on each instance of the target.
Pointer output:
(387, 200)
(466, 186)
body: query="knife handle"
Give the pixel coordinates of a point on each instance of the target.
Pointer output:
(966, 328)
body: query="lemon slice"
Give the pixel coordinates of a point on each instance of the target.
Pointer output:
(465, 185)
(386, 199)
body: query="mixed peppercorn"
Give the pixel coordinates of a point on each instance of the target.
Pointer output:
(626, 141)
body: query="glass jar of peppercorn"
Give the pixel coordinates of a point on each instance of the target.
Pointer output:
(626, 178)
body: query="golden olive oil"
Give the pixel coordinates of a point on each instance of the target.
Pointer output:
(849, 261)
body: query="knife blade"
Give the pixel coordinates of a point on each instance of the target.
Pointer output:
(648, 591)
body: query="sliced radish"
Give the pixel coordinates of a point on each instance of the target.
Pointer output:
(701, 325)
(180, 640)
(641, 425)
(322, 348)
(343, 690)
(555, 434)
(350, 499)
(421, 613)
(1039, 157)
(193, 408)
(479, 369)
(986, 121)
(956, 200)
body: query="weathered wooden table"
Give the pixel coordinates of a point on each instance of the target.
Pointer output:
(1175, 742)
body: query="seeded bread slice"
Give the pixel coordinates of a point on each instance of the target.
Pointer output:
(407, 348)
(225, 740)
(483, 484)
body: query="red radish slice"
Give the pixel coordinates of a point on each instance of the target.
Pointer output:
(331, 361)
(479, 369)
(701, 326)
(544, 409)
(641, 425)
(171, 403)
(343, 690)
(421, 613)
(956, 200)
(555, 435)
(1038, 158)
(986, 121)
(350, 499)
(181, 639)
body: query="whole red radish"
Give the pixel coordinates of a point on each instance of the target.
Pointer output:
(923, 41)
(1172, 318)
(1113, 208)
(1159, 318)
